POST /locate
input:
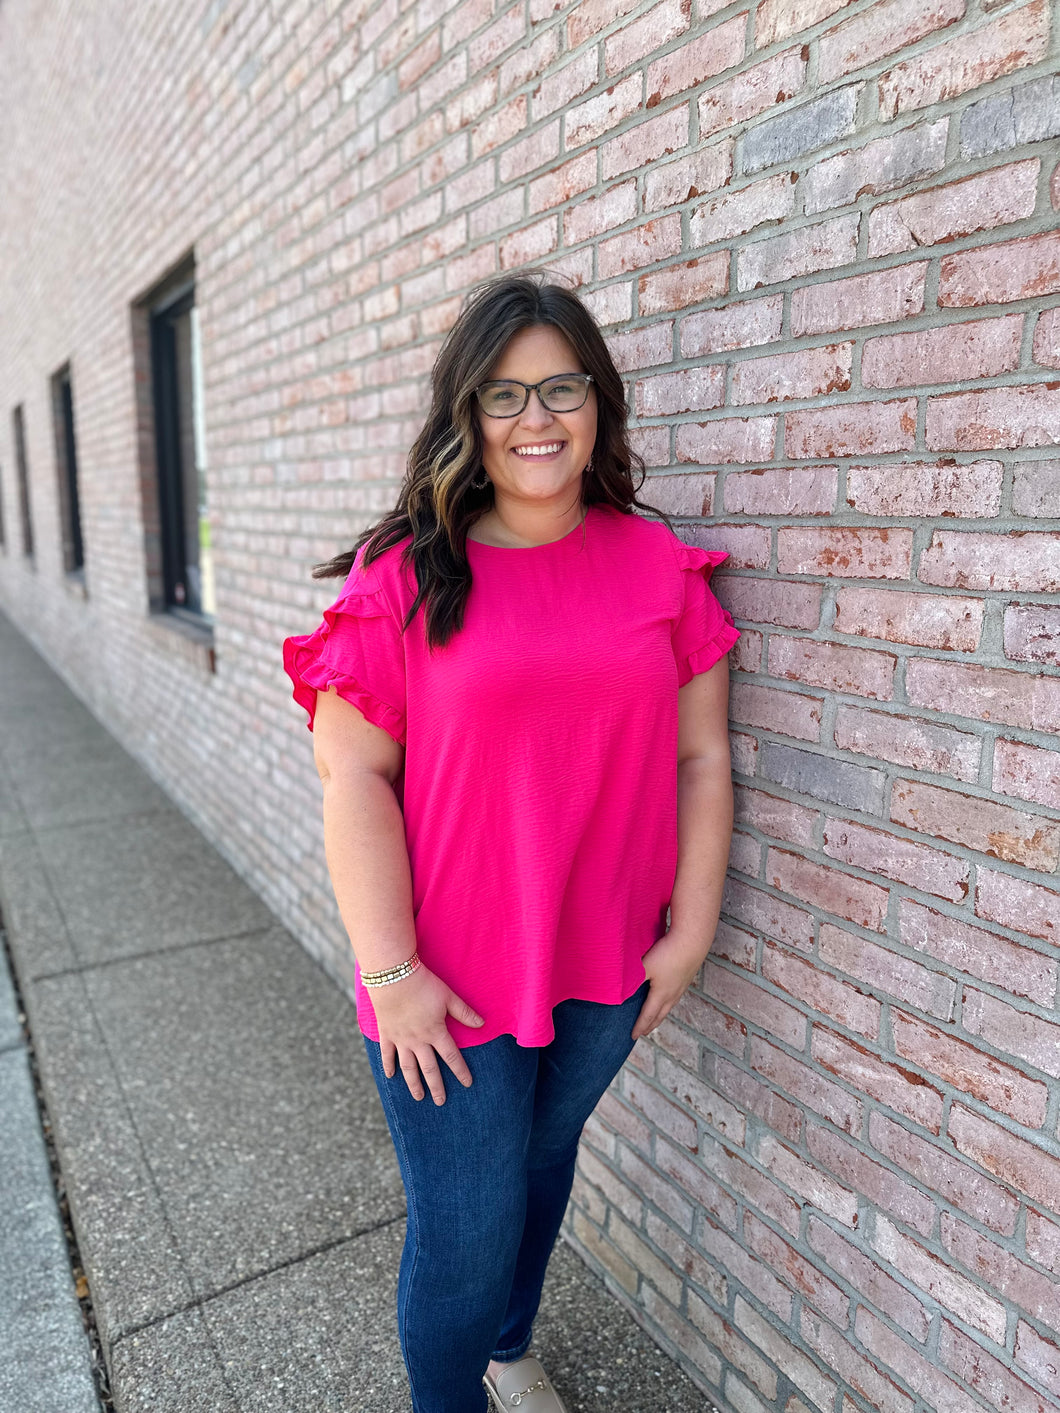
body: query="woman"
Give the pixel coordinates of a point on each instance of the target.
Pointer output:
(519, 701)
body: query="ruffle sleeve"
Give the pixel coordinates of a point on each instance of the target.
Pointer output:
(357, 648)
(704, 631)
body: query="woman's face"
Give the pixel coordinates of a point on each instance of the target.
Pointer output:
(530, 356)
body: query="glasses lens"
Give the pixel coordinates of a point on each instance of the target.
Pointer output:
(564, 394)
(502, 399)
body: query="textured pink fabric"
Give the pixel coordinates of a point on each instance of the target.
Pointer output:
(539, 787)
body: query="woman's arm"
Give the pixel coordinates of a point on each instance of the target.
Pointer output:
(704, 832)
(367, 857)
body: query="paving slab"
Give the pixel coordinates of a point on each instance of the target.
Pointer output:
(130, 1257)
(11, 1033)
(36, 928)
(74, 780)
(172, 1366)
(246, 1080)
(39, 1310)
(12, 816)
(145, 882)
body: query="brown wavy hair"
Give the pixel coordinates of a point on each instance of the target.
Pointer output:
(437, 502)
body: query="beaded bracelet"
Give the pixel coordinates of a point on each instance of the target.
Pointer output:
(398, 972)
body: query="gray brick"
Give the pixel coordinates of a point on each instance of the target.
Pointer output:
(878, 166)
(798, 130)
(1029, 113)
(855, 787)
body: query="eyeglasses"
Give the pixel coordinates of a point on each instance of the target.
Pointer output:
(506, 397)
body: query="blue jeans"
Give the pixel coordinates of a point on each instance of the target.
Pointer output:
(487, 1177)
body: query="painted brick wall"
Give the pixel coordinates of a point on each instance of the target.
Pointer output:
(822, 239)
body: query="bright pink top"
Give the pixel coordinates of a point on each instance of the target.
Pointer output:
(539, 787)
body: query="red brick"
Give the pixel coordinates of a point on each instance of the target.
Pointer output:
(1018, 904)
(595, 215)
(862, 1374)
(604, 1180)
(1023, 1165)
(987, 1375)
(917, 488)
(812, 372)
(691, 390)
(745, 324)
(985, 693)
(747, 654)
(931, 1273)
(774, 1110)
(816, 1187)
(905, 740)
(687, 494)
(646, 142)
(786, 713)
(678, 286)
(659, 1111)
(880, 967)
(827, 889)
(1039, 1356)
(780, 1256)
(802, 978)
(990, 828)
(726, 439)
(799, 490)
(674, 183)
(928, 620)
(734, 945)
(748, 546)
(850, 429)
(834, 666)
(1014, 1032)
(777, 1344)
(790, 603)
(744, 750)
(642, 348)
(879, 31)
(976, 203)
(1036, 489)
(696, 60)
(775, 817)
(1028, 772)
(968, 1070)
(644, 245)
(740, 211)
(691, 1174)
(740, 1265)
(776, 19)
(958, 1182)
(559, 185)
(644, 1178)
(868, 1280)
(589, 121)
(757, 1187)
(774, 80)
(876, 167)
(737, 1351)
(904, 860)
(1022, 560)
(951, 353)
(623, 1120)
(800, 252)
(530, 243)
(976, 57)
(880, 1185)
(712, 1024)
(918, 1372)
(995, 274)
(1047, 339)
(1032, 633)
(589, 17)
(642, 36)
(880, 298)
(748, 1000)
(708, 1106)
(845, 552)
(892, 1085)
(1043, 1241)
(978, 953)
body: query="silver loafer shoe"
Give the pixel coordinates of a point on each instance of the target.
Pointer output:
(523, 1387)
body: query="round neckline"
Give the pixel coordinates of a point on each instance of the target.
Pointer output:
(545, 544)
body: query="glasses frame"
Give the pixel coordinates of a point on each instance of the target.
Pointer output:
(528, 388)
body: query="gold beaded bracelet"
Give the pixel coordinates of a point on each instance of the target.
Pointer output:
(398, 972)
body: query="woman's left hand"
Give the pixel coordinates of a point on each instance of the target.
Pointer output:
(671, 967)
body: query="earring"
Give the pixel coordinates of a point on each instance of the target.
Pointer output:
(589, 466)
(481, 485)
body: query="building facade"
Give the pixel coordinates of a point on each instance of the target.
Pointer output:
(822, 240)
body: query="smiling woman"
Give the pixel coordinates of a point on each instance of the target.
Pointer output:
(520, 782)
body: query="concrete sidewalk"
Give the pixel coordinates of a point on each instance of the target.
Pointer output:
(231, 1181)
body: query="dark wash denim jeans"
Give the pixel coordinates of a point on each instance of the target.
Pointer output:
(487, 1176)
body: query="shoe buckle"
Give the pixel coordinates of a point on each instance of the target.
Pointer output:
(516, 1398)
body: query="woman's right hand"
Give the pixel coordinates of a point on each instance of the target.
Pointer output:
(413, 1035)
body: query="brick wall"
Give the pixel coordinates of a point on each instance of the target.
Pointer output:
(822, 240)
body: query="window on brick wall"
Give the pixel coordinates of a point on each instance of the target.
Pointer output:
(66, 466)
(23, 481)
(180, 560)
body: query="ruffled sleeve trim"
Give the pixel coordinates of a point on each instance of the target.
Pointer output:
(722, 634)
(305, 660)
